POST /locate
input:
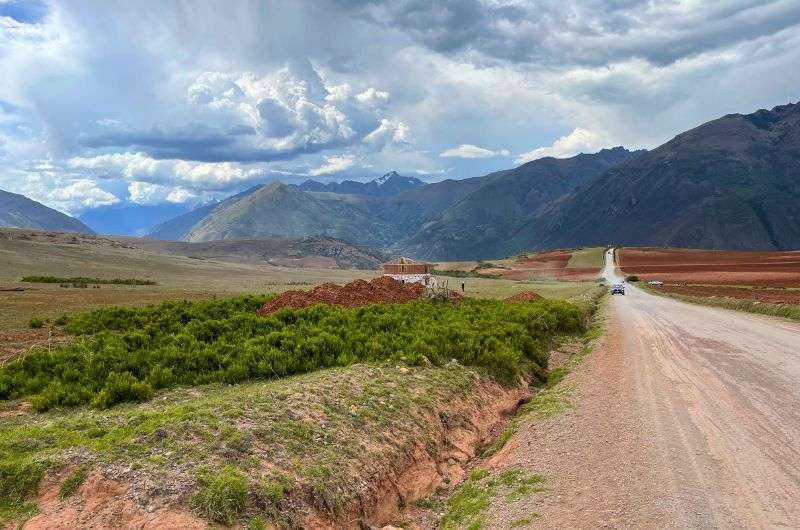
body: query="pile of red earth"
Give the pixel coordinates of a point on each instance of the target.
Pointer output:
(382, 290)
(524, 296)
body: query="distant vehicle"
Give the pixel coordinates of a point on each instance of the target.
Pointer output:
(655, 282)
(618, 288)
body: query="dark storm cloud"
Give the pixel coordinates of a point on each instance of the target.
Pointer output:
(557, 32)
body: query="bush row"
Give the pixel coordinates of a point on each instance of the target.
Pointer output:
(133, 352)
(81, 280)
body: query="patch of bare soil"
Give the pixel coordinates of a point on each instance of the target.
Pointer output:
(17, 342)
(103, 503)
(383, 289)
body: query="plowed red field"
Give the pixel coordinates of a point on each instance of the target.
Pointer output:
(775, 269)
(550, 265)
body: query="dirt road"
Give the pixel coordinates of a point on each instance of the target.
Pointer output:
(684, 417)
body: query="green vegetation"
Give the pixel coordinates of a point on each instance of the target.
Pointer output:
(78, 280)
(520, 523)
(19, 478)
(632, 278)
(290, 437)
(70, 486)
(222, 494)
(126, 354)
(36, 323)
(471, 499)
(593, 257)
(466, 274)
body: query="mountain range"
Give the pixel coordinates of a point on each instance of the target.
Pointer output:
(731, 183)
(389, 184)
(18, 211)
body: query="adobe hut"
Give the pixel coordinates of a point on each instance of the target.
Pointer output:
(409, 271)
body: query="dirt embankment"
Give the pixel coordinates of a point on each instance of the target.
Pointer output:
(379, 491)
(381, 290)
(461, 429)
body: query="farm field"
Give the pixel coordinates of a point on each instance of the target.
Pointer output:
(582, 264)
(763, 282)
(176, 277)
(773, 269)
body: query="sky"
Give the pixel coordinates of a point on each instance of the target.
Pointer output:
(159, 102)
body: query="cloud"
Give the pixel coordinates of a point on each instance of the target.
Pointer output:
(390, 132)
(554, 32)
(472, 151)
(224, 94)
(576, 142)
(334, 164)
(149, 193)
(139, 167)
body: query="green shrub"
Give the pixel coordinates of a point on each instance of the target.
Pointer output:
(80, 281)
(120, 388)
(130, 352)
(60, 321)
(632, 278)
(222, 494)
(36, 323)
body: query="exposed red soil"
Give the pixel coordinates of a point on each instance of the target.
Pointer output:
(103, 503)
(524, 296)
(554, 259)
(770, 295)
(381, 290)
(17, 342)
(712, 266)
(551, 265)
(461, 429)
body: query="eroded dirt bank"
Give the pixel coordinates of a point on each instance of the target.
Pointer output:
(388, 472)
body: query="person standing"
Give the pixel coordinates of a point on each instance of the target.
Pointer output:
(463, 286)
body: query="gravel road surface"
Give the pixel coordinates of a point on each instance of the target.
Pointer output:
(684, 417)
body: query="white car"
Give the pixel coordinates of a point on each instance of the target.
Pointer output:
(655, 282)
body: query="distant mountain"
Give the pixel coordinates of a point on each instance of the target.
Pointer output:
(177, 228)
(450, 219)
(388, 185)
(130, 219)
(487, 222)
(313, 251)
(19, 211)
(732, 183)
(278, 209)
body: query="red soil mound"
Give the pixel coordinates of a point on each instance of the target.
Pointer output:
(524, 296)
(381, 290)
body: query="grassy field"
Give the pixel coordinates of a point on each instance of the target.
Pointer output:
(177, 277)
(587, 257)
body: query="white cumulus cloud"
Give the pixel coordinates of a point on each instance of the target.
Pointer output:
(334, 164)
(472, 151)
(578, 141)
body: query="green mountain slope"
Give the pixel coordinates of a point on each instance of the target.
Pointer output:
(732, 183)
(18, 211)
